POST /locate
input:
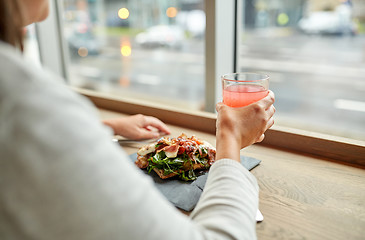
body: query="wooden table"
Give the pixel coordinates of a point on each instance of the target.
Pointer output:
(301, 197)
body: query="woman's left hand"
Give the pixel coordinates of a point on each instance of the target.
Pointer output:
(138, 127)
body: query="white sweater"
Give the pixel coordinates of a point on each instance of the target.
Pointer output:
(62, 178)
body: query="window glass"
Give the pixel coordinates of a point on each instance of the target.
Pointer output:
(31, 48)
(314, 52)
(147, 49)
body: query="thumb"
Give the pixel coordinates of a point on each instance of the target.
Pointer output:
(218, 106)
(261, 138)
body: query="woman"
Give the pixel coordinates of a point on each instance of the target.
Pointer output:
(62, 178)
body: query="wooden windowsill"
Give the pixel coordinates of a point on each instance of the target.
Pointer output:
(339, 149)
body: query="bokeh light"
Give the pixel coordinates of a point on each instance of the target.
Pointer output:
(83, 52)
(171, 12)
(82, 28)
(124, 81)
(69, 16)
(123, 13)
(283, 19)
(126, 50)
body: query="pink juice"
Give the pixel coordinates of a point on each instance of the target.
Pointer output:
(243, 95)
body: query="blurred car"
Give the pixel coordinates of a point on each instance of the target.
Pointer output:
(82, 42)
(113, 20)
(336, 22)
(193, 21)
(161, 36)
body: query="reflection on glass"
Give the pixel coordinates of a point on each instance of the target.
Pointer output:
(151, 50)
(314, 52)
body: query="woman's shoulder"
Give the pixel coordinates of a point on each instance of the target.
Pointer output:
(15, 69)
(22, 81)
(16, 72)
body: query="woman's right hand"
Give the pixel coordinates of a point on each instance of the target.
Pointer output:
(240, 127)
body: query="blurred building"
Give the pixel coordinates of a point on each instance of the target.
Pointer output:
(144, 13)
(358, 6)
(273, 13)
(288, 13)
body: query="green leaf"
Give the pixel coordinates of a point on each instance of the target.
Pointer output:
(173, 165)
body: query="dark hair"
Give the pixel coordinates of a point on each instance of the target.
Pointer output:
(11, 24)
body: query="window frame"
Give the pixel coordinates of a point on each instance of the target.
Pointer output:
(218, 61)
(52, 47)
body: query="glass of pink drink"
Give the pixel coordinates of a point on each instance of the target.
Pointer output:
(242, 89)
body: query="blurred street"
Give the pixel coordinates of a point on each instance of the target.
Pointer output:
(179, 71)
(308, 87)
(316, 79)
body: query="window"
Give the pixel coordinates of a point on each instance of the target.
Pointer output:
(152, 50)
(314, 52)
(112, 57)
(31, 49)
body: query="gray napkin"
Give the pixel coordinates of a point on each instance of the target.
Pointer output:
(185, 195)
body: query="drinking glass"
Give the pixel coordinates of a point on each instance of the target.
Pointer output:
(242, 89)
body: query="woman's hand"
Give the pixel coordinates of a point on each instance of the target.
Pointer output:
(138, 127)
(240, 127)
